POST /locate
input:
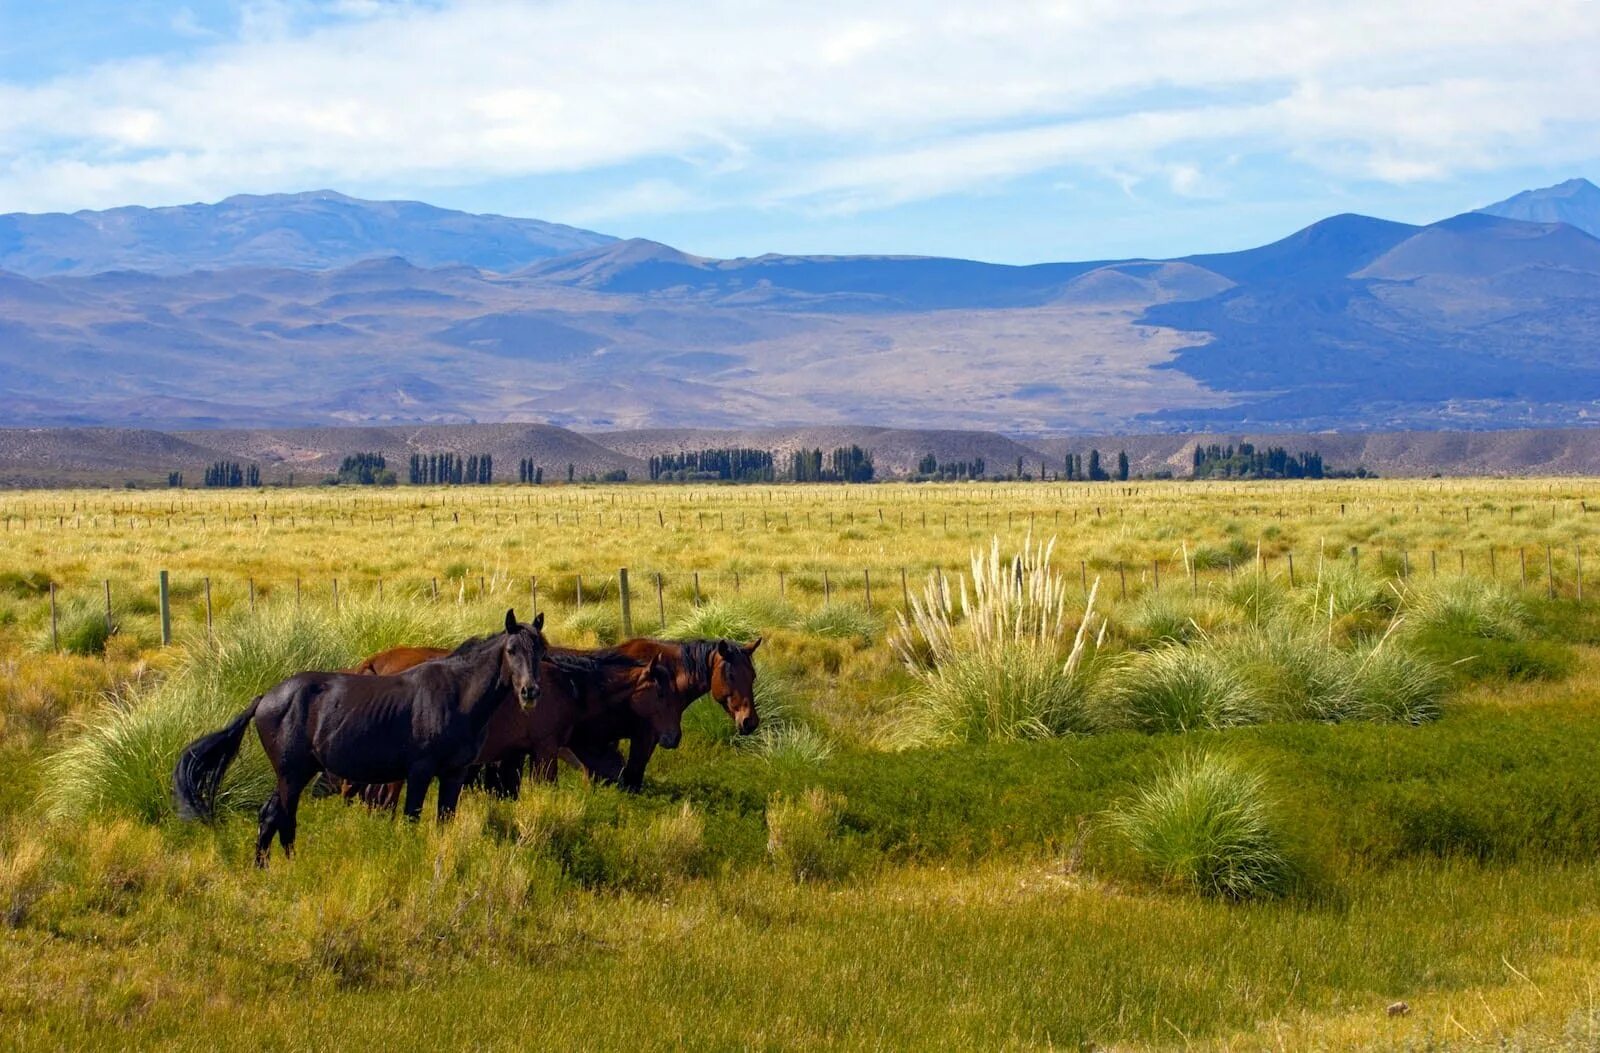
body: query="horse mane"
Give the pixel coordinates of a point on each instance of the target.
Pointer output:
(472, 644)
(697, 658)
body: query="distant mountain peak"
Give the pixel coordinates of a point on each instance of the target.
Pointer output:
(1575, 202)
(309, 230)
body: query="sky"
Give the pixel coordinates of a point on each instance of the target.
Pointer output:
(1007, 131)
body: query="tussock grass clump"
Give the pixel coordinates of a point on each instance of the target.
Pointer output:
(82, 627)
(1206, 825)
(805, 837)
(1174, 688)
(1393, 685)
(1171, 617)
(842, 621)
(1349, 603)
(1293, 673)
(716, 620)
(1020, 690)
(991, 659)
(121, 761)
(604, 624)
(1466, 607)
(648, 853)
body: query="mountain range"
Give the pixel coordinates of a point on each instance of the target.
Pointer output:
(314, 309)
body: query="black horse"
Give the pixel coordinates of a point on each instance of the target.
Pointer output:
(426, 723)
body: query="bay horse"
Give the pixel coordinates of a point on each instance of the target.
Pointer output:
(724, 669)
(425, 723)
(574, 684)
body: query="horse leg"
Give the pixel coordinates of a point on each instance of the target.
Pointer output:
(291, 789)
(267, 826)
(602, 764)
(449, 793)
(639, 751)
(417, 790)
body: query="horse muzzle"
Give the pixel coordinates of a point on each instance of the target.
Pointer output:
(528, 697)
(669, 739)
(749, 724)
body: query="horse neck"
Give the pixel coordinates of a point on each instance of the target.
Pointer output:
(476, 682)
(696, 670)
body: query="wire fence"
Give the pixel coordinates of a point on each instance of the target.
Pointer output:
(645, 600)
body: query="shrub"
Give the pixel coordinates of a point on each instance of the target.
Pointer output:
(805, 837)
(1206, 825)
(1170, 617)
(1174, 688)
(82, 629)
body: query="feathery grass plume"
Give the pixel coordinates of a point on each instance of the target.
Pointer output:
(988, 659)
(1206, 825)
(1173, 688)
(121, 761)
(805, 836)
(716, 620)
(842, 621)
(1465, 607)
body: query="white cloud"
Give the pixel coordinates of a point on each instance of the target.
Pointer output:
(881, 103)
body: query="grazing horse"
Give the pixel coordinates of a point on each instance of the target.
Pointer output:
(574, 684)
(426, 723)
(722, 668)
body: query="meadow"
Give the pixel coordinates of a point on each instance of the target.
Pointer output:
(1170, 764)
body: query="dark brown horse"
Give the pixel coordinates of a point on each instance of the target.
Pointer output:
(428, 722)
(724, 669)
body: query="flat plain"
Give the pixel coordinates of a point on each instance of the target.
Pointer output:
(1228, 765)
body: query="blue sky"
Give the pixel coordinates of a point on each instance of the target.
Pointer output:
(1011, 131)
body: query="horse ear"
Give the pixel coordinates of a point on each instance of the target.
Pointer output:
(725, 648)
(750, 648)
(538, 622)
(511, 620)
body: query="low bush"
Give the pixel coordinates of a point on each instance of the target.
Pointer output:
(1465, 607)
(842, 621)
(716, 620)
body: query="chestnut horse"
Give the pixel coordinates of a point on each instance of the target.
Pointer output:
(426, 723)
(722, 668)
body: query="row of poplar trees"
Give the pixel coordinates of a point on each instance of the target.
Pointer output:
(450, 469)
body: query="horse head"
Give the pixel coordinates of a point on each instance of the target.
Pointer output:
(653, 698)
(525, 647)
(733, 682)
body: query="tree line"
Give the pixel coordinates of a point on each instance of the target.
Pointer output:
(1247, 462)
(226, 473)
(736, 463)
(450, 469)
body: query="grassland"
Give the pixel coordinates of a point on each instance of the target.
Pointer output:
(860, 876)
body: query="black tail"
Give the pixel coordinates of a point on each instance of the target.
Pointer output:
(202, 764)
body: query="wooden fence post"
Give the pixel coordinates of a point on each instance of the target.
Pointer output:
(208, 606)
(110, 625)
(1155, 567)
(627, 602)
(1549, 569)
(697, 588)
(1122, 579)
(661, 602)
(866, 580)
(827, 590)
(55, 634)
(1290, 557)
(166, 610)
(578, 588)
(1522, 557)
